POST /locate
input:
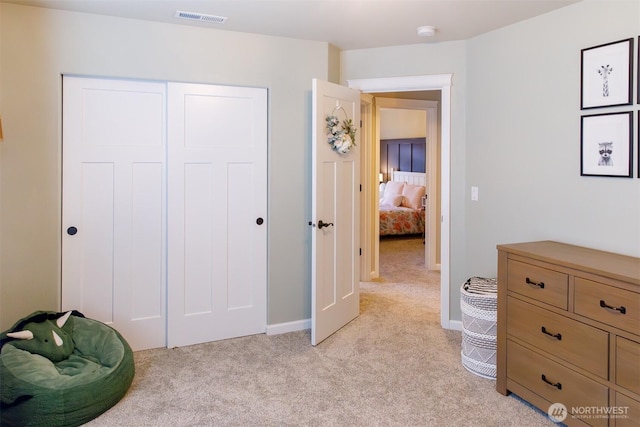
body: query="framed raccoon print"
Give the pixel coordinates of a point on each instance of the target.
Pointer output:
(606, 75)
(606, 145)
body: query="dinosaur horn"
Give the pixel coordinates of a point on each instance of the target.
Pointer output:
(57, 339)
(62, 320)
(21, 335)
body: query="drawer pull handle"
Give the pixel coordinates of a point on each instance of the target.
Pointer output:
(621, 309)
(531, 282)
(556, 385)
(558, 335)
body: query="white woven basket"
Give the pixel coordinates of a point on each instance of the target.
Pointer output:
(478, 302)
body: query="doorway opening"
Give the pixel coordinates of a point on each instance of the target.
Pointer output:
(406, 115)
(441, 83)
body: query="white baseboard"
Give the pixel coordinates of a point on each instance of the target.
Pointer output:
(454, 325)
(283, 328)
(301, 325)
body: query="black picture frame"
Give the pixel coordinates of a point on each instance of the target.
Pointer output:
(606, 145)
(606, 75)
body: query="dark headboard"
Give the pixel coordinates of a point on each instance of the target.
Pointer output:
(404, 154)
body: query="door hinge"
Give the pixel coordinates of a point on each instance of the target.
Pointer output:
(360, 251)
(361, 188)
(360, 123)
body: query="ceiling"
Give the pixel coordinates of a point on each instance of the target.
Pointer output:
(346, 24)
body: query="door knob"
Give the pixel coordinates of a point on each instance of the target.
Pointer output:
(322, 224)
(71, 231)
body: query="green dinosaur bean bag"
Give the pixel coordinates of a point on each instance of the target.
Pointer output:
(61, 369)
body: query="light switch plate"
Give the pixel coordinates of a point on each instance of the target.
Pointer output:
(474, 194)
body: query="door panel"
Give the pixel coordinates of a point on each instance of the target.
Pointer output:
(114, 156)
(198, 252)
(347, 250)
(335, 200)
(217, 190)
(97, 235)
(147, 235)
(241, 179)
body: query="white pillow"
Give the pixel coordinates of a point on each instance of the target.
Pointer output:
(393, 187)
(412, 196)
(391, 200)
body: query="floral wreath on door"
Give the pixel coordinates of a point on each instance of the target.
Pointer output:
(340, 135)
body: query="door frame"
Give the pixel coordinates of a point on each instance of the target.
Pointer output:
(441, 82)
(369, 226)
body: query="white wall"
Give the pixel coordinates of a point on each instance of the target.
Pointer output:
(38, 45)
(523, 137)
(398, 123)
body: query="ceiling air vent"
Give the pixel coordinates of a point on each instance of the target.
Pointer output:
(194, 16)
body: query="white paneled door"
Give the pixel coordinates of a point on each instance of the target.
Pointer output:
(164, 235)
(113, 209)
(217, 211)
(335, 203)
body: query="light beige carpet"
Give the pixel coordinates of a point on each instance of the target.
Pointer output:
(392, 366)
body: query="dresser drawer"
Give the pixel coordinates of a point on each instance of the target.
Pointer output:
(628, 364)
(607, 304)
(539, 283)
(554, 382)
(628, 411)
(582, 345)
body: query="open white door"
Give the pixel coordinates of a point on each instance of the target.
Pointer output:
(335, 208)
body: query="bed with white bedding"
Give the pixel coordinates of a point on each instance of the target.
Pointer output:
(401, 210)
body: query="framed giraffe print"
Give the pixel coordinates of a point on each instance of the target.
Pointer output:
(606, 145)
(606, 75)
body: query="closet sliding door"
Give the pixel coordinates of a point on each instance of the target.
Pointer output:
(113, 205)
(217, 212)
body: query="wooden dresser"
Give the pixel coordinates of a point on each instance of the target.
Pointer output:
(569, 331)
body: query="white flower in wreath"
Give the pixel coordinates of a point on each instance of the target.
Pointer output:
(341, 137)
(347, 144)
